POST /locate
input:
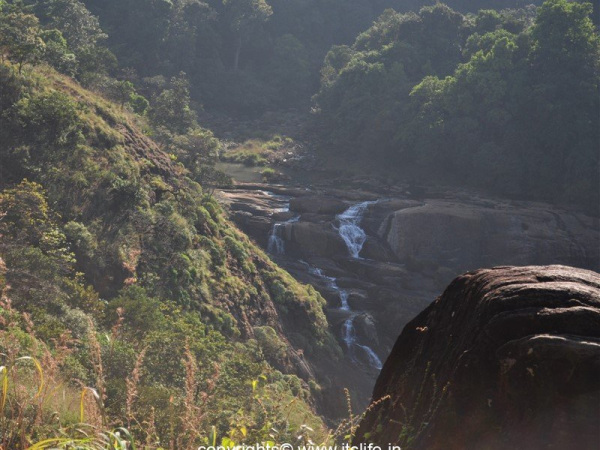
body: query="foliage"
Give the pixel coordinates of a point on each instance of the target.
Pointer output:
(242, 57)
(110, 241)
(513, 112)
(362, 87)
(20, 34)
(172, 109)
(57, 53)
(80, 29)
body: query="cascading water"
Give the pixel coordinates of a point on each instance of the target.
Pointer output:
(276, 244)
(282, 201)
(373, 358)
(349, 227)
(348, 329)
(349, 334)
(355, 237)
(344, 300)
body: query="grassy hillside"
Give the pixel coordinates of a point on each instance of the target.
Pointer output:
(120, 274)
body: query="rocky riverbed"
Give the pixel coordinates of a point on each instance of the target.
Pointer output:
(379, 256)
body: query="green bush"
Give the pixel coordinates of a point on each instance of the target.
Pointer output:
(270, 343)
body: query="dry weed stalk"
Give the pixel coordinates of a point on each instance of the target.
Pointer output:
(96, 360)
(192, 419)
(350, 417)
(116, 328)
(24, 392)
(347, 427)
(132, 383)
(152, 439)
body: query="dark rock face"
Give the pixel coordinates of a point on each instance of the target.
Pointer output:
(506, 358)
(467, 235)
(414, 248)
(309, 239)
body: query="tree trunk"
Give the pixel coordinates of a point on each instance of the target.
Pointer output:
(236, 55)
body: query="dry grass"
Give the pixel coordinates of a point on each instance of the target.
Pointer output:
(132, 383)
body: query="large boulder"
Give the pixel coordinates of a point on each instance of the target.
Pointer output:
(366, 329)
(310, 239)
(256, 226)
(464, 236)
(506, 358)
(376, 250)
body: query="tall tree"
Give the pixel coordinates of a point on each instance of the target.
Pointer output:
(19, 34)
(564, 98)
(243, 18)
(78, 26)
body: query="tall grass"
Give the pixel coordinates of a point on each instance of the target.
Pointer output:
(40, 410)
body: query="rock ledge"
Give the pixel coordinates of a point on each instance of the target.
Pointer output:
(507, 357)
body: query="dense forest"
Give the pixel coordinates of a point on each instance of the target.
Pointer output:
(129, 299)
(507, 101)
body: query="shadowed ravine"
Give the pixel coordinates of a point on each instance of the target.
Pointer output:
(379, 258)
(217, 218)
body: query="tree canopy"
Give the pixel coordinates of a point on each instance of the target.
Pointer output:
(505, 101)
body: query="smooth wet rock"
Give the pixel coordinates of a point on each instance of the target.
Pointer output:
(371, 270)
(347, 281)
(358, 300)
(249, 208)
(506, 358)
(282, 216)
(377, 250)
(465, 236)
(366, 329)
(378, 214)
(309, 239)
(258, 227)
(337, 317)
(316, 218)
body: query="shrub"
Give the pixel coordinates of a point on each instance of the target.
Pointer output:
(270, 343)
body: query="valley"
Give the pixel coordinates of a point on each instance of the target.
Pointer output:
(379, 256)
(299, 224)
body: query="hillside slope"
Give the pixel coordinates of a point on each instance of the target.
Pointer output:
(103, 230)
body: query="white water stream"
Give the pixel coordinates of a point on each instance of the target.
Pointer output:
(276, 243)
(350, 231)
(348, 329)
(354, 237)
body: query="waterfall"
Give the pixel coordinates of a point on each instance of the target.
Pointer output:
(283, 201)
(354, 237)
(348, 328)
(276, 243)
(349, 229)
(373, 358)
(349, 334)
(344, 300)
